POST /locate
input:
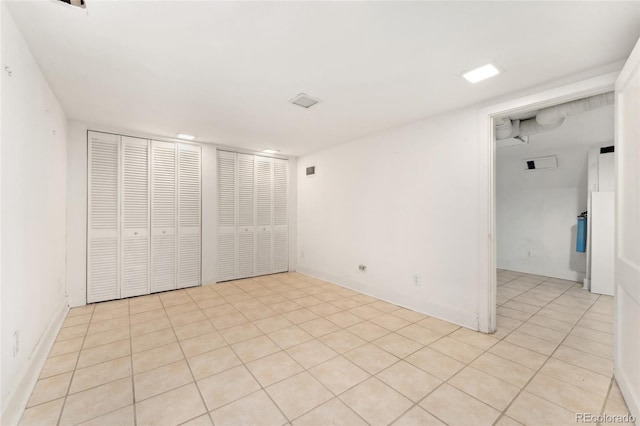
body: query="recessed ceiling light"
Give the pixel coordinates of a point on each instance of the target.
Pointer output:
(270, 151)
(303, 100)
(185, 136)
(481, 73)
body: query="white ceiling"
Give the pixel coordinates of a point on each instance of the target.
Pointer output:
(224, 71)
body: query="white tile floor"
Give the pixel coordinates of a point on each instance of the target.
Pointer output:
(289, 349)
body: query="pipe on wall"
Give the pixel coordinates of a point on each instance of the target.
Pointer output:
(552, 114)
(549, 118)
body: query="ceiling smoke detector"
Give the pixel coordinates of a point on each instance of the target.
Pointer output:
(303, 100)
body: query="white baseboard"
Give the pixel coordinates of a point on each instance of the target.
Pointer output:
(443, 312)
(562, 275)
(632, 399)
(17, 400)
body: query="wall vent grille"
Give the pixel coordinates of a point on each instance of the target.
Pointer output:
(540, 163)
(310, 171)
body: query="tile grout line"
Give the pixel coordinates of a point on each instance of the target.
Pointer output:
(538, 371)
(195, 382)
(262, 388)
(73, 372)
(338, 354)
(282, 350)
(133, 383)
(185, 355)
(341, 328)
(111, 381)
(304, 369)
(504, 411)
(606, 398)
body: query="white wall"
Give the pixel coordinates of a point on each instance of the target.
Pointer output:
(536, 212)
(33, 219)
(536, 231)
(401, 202)
(77, 213)
(77, 208)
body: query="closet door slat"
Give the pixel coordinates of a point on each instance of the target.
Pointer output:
(163, 216)
(189, 223)
(246, 217)
(253, 215)
(135, 217)
(280, 215)
(103, 234)
(264, 215)
(227, 215)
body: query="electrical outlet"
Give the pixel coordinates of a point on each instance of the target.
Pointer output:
(528, 253)
(416, 280)
(16, 343)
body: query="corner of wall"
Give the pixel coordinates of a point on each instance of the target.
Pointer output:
(18, 399)
(77, 213)
(444, 312)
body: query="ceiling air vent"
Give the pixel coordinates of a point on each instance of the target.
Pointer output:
(541, 163)
(303, 100)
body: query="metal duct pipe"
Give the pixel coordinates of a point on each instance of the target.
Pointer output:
(533, 127)
(506, 128)
(548, 116)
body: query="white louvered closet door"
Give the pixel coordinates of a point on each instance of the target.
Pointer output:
(189, 223)
(246, 217)
(264, 215)
(135, 217)
(163, 216)
(103, 248)
(280, 215)
(227, 248)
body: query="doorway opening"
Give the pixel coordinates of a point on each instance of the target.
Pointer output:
(486, 216)
(554, 182)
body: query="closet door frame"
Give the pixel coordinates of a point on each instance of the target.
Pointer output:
(256, 229)
(119, 234)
